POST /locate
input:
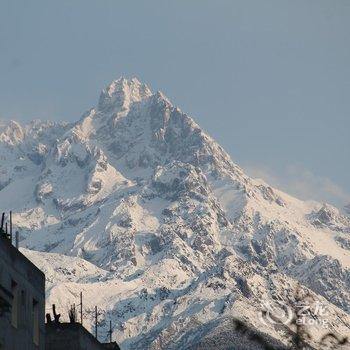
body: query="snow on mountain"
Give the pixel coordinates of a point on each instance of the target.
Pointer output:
(136, 206)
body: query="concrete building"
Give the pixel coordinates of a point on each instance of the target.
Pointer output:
(73, 336)
(22, 308)
(22, 300)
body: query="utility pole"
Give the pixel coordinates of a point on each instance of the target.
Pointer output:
(2, 222)
(96, 322)
(110, 331)
(11, 226)
(81, 308)
(17, 239)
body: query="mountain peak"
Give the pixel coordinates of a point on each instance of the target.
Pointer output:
(121, 93)
(137, 188)
(12, 133)
(159, 96)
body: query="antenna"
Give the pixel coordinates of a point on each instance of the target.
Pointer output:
(55, 315)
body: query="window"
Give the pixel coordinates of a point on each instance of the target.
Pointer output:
(15, 306)
(36, 330)
(23, 302)
(23, 298)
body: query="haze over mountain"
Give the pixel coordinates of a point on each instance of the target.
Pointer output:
(136, 206)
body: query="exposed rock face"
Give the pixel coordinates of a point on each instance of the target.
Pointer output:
(166, 234)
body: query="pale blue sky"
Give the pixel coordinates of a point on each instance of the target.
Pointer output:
(270, 80)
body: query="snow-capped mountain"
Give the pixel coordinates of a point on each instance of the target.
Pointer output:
(136, 206)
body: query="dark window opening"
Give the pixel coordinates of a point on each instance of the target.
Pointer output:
(15, 304)
(36, 330)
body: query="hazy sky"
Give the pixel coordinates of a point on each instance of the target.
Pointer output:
(269, 80)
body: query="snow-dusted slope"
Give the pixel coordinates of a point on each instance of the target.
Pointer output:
(176, 235)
